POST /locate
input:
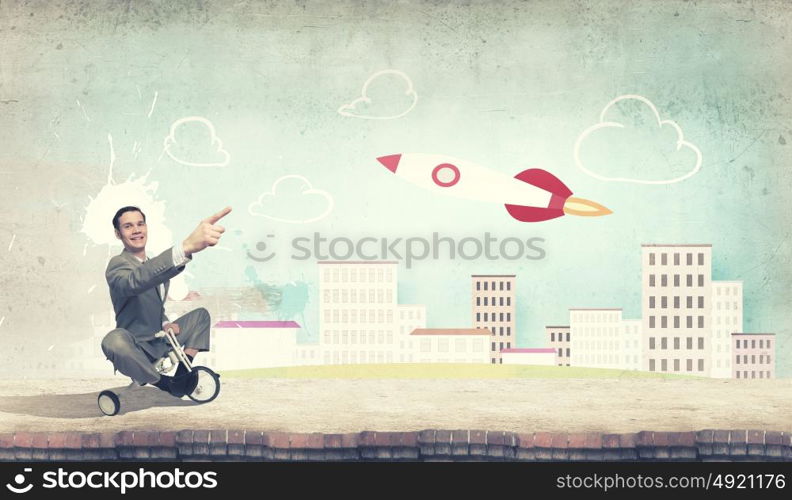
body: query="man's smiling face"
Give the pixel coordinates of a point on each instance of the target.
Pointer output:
(132, 231)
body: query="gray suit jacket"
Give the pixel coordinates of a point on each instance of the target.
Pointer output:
(134, 290)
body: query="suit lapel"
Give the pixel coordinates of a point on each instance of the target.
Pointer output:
(135, 262)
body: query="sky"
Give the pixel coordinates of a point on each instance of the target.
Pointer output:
(281, 110)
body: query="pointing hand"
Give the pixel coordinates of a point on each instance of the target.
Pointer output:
(207, 234)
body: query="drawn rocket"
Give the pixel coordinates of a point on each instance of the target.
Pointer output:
(533, 195)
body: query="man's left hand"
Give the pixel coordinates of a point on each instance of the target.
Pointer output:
(172, 326)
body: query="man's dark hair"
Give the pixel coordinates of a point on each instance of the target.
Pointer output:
(122, 211)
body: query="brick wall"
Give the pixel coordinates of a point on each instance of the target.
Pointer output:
(425, 445)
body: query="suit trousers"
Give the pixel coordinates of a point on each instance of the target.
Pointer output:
(135, 358)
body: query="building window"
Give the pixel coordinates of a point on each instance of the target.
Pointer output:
(663, 321)
(676, 280)
(676, 259)
(651, 321)
(700, 280)
(689, 344)
(737, 361)
(664, 365)
(478, 301)
(701, 302)
(501, 285)
(676, 302)
(753, 344)
(567, 337)
(664, 259)
(651, 280)
(493, 346)
(552, 336)
(701, 321)
(508, 285)
(486, 316)
(478, 285)
(485, 301)
(508, 301)
(664, 302)
(651, 342)
(651, 259)
(676, 365)
(676, 321)
(651, 365)
(701, 259)
(701, 342)
(485, 286)
(690, 259)
(508, 316)
(689, 321)
(651, 302)
(663, 344)
(567, 353)
(689, 302)
(560, 352)
(689, 280)
(701, 365)
(690, 365)
(676, 342)
(663, 280)
(501, 299)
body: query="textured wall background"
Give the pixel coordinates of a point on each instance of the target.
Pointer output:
(508, 85)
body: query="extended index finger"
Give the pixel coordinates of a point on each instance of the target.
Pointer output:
(219, 215)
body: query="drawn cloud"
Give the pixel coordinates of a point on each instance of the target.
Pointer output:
(386, 95)
(293, 200)
(631, 143)
(192, 141)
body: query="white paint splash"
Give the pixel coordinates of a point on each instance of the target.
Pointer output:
(13, 238)
(97, 223)
(85, 114)
(1, 320)
(85, 249)
(153, 103)
(91, 289)
(50, 347)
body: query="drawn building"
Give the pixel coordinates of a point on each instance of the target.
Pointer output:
(727, 318)
(558, 339)
(244, 345)
(676, 308)
(452, 345)
(493, 308)
(358, 320)
(540, 356)
(411, 317)
(753, 355)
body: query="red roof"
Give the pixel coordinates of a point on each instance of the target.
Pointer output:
(547, 350)
(256, 324)
(451, 331)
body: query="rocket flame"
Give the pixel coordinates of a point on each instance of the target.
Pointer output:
(584, 208)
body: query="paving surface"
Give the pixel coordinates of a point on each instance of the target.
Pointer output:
(342, 406)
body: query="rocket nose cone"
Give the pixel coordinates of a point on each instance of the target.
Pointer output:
(390, 162)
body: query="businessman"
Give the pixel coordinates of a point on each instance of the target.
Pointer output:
(138, 288)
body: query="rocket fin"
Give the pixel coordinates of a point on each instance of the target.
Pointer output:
(547, 181)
